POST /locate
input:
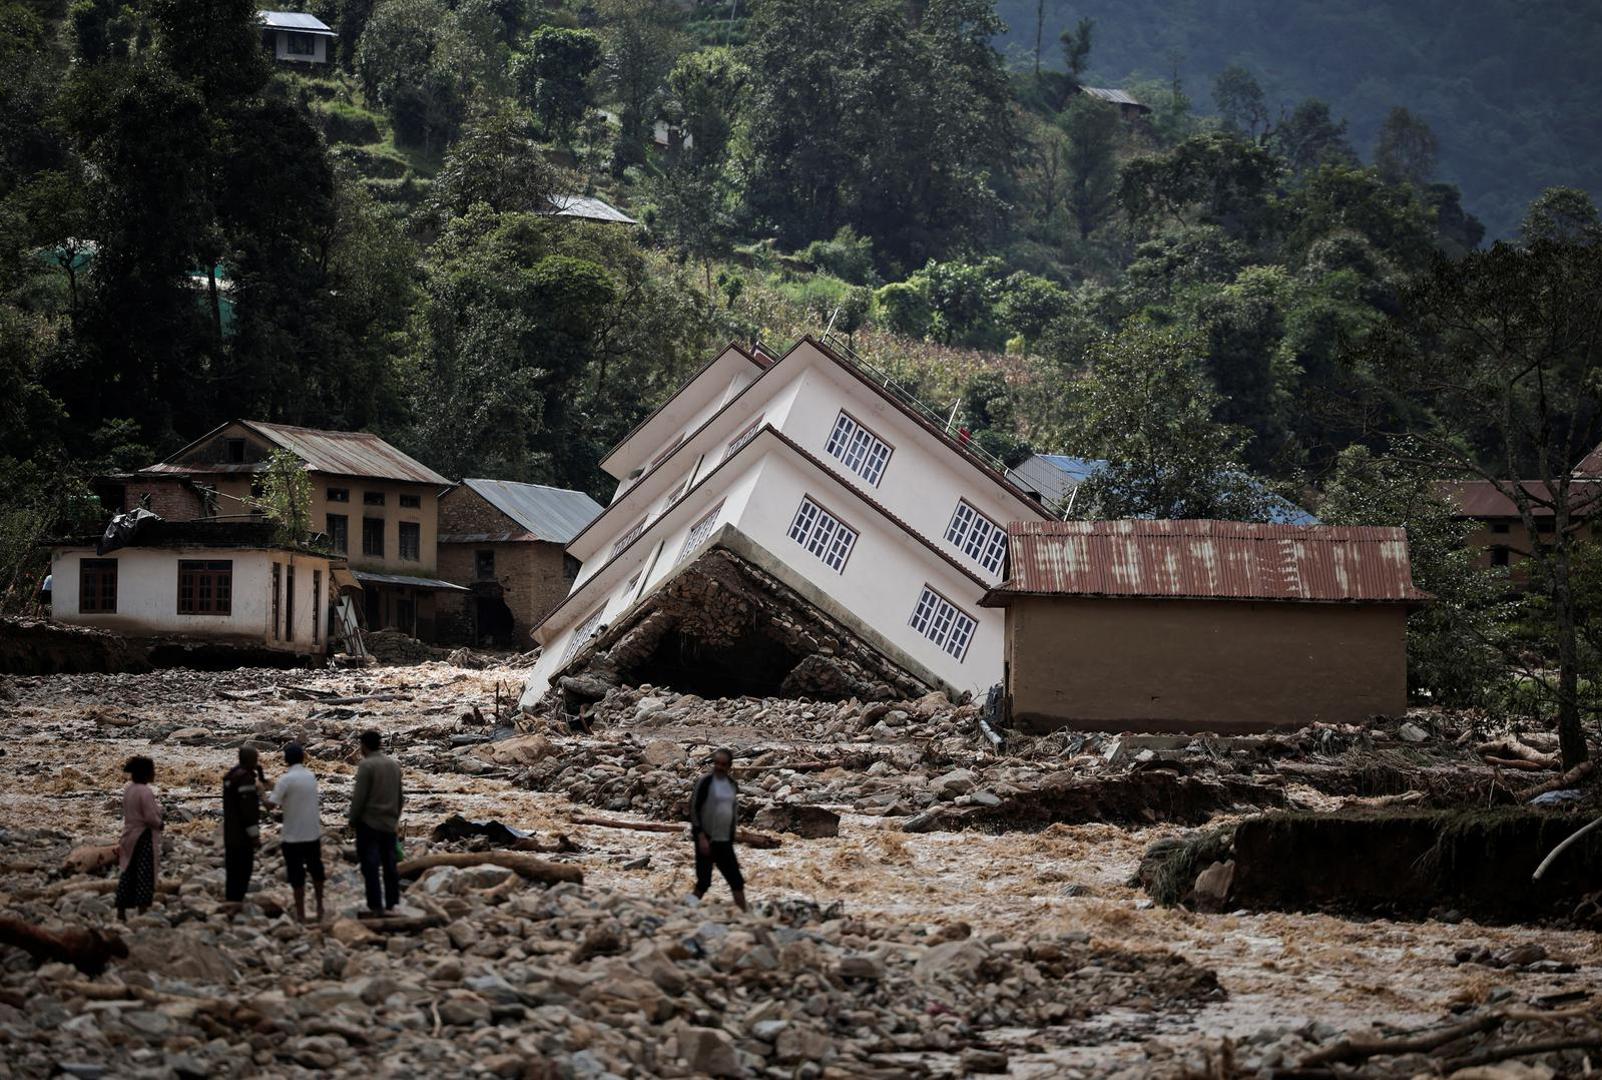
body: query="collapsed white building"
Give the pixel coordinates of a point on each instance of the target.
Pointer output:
(788, 525)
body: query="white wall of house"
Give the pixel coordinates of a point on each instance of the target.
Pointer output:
(147, 596)
(318, 44)
(802, 397)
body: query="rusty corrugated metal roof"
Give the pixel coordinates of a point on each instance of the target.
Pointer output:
(347, 453)
(1217, 560)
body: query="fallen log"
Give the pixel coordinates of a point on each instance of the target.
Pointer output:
(525, 865)
(107, 885)
(90, 951)
(1521, 764)
(403, 924)
(1570, 779)
(1590, 1041)
(1348, 1049)
(747, 837)
(1513, 748)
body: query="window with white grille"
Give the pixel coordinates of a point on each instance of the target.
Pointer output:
(938, 619)
(863, 452)
(977, 537)
(823, 534)
(627, 538)
(746, 434)
(585, 631)
(700, 532)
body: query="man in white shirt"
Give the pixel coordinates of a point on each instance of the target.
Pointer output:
(714, 817)
(302, 834)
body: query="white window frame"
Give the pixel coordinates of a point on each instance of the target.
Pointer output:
(699, 533)
(628, 537)
(858, 448)
(823, 534)
(582, 634)
(746, 434)
(977, 536)
(943, 623)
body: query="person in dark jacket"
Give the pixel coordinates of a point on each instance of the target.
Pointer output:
(241, 822)
(375, 810)
(713, 814)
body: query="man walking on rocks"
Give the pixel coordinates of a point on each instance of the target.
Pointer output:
(241, 823)
(375, 809)
(302, 835)
(713, 815)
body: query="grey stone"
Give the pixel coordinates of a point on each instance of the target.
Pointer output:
(709, 1051)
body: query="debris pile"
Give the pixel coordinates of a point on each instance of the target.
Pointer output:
(487, 969)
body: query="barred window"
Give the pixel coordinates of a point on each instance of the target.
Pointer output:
(863, 452)
(627, 538)
(977, 537)
(586, 630)
(746, 434)
(823, 534)
(939, 620)
(700, 532)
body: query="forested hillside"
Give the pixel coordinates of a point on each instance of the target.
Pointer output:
(1224, 298)
(1508, 87)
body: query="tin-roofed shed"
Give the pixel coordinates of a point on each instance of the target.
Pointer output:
(295, 37)
(505, 541)
(1203, 625)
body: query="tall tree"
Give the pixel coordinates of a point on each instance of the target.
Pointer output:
(1499, 357)
(1092, 128)
(553, 77)
(641, 45)
(1406, 149)
(1145, 408)
(1240, 101)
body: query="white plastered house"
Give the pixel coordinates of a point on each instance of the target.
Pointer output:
(813, 468)
(296, 37)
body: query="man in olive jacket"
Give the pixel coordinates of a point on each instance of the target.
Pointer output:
(375, 809)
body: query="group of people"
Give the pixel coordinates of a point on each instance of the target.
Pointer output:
(375, 809)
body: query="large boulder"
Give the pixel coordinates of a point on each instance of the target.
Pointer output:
(709, 1052)
(809, 822)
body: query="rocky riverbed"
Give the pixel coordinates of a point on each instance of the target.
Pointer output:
(994, 936)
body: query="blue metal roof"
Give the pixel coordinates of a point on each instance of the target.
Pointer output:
(1076, 470)
(550, 513)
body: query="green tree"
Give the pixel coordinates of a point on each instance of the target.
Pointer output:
(1496, 360)
(1146, 408)
(1310, 136)
(641, 46)
(1240, 102)
(1562, 216)
(1076, 45)
(553, 76)
(420, 66)
(497, 162)
(1455, 643)
(286, 494)
(1092, 128)
(1406, 149)
(1213, 179)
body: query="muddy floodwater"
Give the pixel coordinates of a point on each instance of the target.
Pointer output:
(67, 736)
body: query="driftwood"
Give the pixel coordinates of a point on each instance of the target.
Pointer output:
(104, 885)
(403, 924)
(1511, 747)
(1508, 1051)
(90, 951)
(747, 837)
(1520, 764)
(1350, 1049)
(1570, 779)
(525, 865)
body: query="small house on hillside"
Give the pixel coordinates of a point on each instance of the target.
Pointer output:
(295, 37)
(232, 583)
(588, 208)
(505, 542)
(1128, 107)
(377, 506)
(1203, 625)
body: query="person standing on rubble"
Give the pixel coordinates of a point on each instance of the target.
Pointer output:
(375, 809)
(713, 814)
(139, 849)
(301, 837)
(241, 823)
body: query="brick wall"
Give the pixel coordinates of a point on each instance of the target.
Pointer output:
(171, 499)
(530, 572)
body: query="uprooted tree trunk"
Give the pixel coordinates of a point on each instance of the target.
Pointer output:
(90, 951)
(526, 866)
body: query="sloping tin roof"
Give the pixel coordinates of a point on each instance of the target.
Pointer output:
(347, 453)
(299, 21)
(1483, 499)
(1217, 560)
(1117, 97)
(550, 513)
(589, 208)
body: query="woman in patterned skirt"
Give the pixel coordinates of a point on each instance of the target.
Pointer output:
(139, 851)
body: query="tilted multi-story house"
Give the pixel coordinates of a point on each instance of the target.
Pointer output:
(788, 525)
